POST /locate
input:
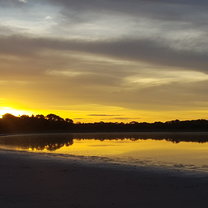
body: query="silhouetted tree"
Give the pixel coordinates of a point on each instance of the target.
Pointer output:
(39, 116)
(68, 120)
(8, 116)
(53, 117)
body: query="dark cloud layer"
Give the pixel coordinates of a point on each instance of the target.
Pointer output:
(12, 3)
(103, 115)
(165, 10)
(170, 10)
(130, 49)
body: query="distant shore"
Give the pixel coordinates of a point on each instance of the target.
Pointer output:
(54, 123)
(43, 181)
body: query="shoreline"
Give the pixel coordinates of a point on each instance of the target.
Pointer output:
(101, 132)
(105, 162)
(36, 180)
(110, 161)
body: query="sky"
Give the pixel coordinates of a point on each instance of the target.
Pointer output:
(105, 60)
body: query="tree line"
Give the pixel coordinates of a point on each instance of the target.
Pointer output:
(38, 123)
(54, 123)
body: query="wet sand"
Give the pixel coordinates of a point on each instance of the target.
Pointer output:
(29, 180)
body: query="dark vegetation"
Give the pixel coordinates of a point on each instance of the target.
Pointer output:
(39, 123)
(53, 123)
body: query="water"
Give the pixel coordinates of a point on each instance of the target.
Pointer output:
(172, 150)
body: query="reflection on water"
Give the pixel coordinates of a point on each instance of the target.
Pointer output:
(35, 142)
(180, 150)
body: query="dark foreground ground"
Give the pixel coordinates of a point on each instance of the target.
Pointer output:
(33, 181)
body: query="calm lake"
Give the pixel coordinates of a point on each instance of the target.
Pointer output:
(174, 150)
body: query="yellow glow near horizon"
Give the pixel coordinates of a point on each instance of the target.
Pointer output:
(97, 113)
(13, 111)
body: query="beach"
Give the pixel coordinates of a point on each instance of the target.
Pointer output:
(43, 181)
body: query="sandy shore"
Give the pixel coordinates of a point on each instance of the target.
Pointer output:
(30, 180)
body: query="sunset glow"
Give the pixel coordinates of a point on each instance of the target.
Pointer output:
(98, 83)
(113, 61)
(15, 112)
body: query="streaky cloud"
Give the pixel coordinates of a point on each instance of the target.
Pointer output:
(103, 115)
(144, 50)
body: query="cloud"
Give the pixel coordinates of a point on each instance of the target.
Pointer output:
(48, 18)
(102, 115)
(137, 50)
(179, 11)
(12, 3)
(23, 1)
(164, 10)
(124, 118)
